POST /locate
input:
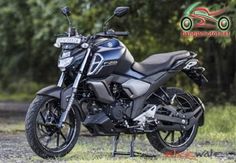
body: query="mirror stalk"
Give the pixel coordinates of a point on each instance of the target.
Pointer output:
(105, 24)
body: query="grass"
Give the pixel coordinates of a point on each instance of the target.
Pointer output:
(98, 150)
(16, 97)
(220, 124)
(12, 127)
(218, 134)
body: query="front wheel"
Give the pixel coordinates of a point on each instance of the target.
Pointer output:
(172, 142)
(42, 133)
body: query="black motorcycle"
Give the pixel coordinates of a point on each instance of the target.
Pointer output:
(102, 87)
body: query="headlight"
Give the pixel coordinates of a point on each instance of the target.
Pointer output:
(64, 62)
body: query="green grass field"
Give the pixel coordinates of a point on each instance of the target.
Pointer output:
(218, 134)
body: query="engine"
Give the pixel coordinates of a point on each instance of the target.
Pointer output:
(121, 108)
(119, 111)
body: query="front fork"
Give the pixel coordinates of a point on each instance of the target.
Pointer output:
(61, 79)
(74, 88)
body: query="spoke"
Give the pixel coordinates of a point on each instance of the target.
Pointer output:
(48, 106)
(63, 136)
(41, 114)
(58, 139)
(54, 114)
(48, 140)
(42, 123)
(43, 136)
(183, 103)
(41, 128)
(185, 108)
(179, 103)
(168, 134)
(67, 123)
(172, 136)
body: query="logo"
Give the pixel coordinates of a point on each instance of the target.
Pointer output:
(109, 44)
(200, 21)
(109, 63)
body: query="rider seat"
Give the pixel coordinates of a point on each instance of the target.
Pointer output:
(159, 62)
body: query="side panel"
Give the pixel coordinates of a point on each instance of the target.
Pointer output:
(134, 74)
(159, 80)
(111, 57)
(106, 58)
(101, 91)
(101, 87)
(135, 88)
(125, 63)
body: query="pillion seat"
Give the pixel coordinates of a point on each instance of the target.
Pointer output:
(159, 62)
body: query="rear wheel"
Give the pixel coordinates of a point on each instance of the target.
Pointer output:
(42, 133)
(175, 141)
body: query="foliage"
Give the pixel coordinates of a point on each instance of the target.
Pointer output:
(28, 30)
(219, 123)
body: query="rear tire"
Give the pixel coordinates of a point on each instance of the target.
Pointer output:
(156, 138)
(31, 130)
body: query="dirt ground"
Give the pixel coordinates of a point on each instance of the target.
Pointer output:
(14, 147)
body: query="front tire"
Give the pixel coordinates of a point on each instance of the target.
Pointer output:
(164, 141)
(40, 128)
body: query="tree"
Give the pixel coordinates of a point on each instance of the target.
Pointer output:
(28, 30)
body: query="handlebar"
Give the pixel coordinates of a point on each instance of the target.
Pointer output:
(112, 34)
(120, 33)
(86, 39)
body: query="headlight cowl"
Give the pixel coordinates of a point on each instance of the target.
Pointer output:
(64, 62)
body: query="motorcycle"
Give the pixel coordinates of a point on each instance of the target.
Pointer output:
(102, 87)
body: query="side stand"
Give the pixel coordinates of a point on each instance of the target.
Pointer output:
(131, 152)
(132, 146)
(115, 143)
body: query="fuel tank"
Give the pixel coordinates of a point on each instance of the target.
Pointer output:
(111, 56)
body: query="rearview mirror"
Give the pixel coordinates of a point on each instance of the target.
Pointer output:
(121, 11)
(65, 11)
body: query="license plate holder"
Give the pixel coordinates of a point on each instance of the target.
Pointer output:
(68, 40)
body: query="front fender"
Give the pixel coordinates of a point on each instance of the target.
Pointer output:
(52, 91)
(63, 94)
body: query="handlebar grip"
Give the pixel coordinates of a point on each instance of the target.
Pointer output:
(121, 33)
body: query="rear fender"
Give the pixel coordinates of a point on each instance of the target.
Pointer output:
(202, 117)
(195, 72)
